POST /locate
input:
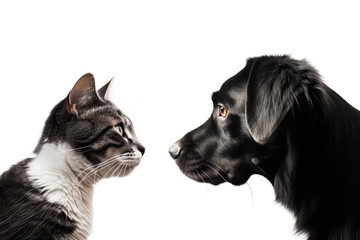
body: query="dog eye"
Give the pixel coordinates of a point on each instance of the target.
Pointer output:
(222, 111)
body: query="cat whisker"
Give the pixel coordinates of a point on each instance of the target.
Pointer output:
(80, 179)
(92, 167)
(101, 166)
(111, 168)
(122, 169)
(119, 159)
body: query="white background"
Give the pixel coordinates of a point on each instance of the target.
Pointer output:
(167, 58)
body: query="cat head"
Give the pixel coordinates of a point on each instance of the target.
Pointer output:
(94, 128)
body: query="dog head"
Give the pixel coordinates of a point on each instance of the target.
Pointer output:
(245, 133)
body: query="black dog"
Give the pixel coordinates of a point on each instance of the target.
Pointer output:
(278, 119)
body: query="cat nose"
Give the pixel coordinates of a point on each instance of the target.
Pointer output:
(175, 150)
(141, 148)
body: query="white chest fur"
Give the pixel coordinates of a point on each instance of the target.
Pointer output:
(56, 170)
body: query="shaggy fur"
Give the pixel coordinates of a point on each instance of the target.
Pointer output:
(284, 123)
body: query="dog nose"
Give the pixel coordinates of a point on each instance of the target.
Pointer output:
(175, 150)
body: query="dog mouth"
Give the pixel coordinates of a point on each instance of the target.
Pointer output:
(202, 172)
(197, 167)
(204, 177)
(216, 177)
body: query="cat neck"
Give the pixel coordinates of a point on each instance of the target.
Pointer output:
(62, 175)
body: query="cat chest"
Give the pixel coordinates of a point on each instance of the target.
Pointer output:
(59, 185)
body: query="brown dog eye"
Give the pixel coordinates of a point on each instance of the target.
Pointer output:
(222, 111)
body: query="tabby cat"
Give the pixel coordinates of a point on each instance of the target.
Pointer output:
(86, 138)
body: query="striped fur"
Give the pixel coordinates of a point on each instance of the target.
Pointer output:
(85, 139)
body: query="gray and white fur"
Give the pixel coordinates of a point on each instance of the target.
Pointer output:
(86, 138)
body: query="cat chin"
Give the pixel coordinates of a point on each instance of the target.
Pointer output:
(125, 172)
(120, 172)
(120, 168)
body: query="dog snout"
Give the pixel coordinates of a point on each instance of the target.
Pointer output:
(175, 150)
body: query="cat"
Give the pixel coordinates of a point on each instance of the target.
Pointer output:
(85, 138)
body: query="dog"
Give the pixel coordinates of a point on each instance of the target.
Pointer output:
(277, 118)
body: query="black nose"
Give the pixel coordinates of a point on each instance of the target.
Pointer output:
(174, 151)
(141, 148)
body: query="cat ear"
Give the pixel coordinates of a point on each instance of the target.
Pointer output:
(104, 90)
(83, 90)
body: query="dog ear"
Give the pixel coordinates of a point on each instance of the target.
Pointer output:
(271, 92)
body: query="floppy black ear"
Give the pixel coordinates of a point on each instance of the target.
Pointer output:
(104, 90)
(83, 92)
(271, 92)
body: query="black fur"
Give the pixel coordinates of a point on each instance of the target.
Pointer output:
(284, 123)
(24, 210)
